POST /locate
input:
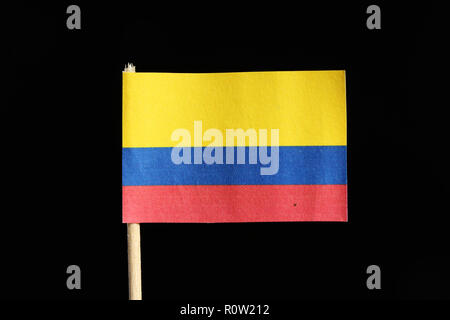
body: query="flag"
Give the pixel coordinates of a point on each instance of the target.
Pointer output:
(234, 147)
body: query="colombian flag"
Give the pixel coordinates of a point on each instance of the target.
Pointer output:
(234, 147)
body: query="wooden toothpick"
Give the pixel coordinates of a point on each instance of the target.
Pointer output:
(134, 246)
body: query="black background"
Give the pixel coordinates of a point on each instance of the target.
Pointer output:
(61, 130)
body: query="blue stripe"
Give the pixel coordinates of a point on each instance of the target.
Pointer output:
(297, 165)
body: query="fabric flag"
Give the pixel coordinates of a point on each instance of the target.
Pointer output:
(234, 147)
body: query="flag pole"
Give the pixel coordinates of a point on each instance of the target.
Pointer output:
(134, 247)
(134, 261)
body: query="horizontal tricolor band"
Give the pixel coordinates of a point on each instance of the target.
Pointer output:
(305, 111)
(266, 203)
(297, 165)
(307, 107)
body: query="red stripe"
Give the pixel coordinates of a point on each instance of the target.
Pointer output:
(234, 203)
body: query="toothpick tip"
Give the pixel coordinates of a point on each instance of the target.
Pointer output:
(129, 68)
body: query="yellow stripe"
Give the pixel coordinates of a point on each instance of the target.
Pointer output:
(308, 107)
